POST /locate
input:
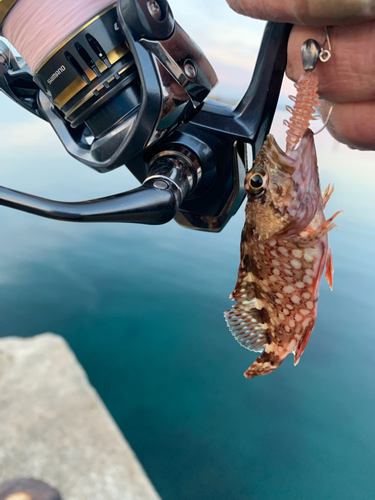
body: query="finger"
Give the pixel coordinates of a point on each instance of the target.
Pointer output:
(309, 12)
(350, 73)
(351, 123)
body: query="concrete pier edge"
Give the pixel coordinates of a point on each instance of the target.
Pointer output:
(55, 427)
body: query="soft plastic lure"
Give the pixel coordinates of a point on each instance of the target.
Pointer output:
(303, 110)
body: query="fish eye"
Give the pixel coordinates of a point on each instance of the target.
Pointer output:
(256, 182)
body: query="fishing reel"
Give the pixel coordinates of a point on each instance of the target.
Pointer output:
(129, 87)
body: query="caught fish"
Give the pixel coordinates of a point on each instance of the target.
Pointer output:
(284, 244)
(284, 250)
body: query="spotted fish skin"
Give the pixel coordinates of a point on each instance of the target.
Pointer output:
(284, 250)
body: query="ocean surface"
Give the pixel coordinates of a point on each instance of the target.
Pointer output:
(142, 308)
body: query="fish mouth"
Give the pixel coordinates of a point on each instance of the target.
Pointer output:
(301, 160)
(306, 169)
(297, 175)
(280, 161)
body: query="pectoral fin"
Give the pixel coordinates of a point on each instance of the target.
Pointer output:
(245, 323)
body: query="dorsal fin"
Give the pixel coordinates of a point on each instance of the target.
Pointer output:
(245, 323)
(329, 269)
(327, 194)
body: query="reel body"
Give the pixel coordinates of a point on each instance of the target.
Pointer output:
(130, 87)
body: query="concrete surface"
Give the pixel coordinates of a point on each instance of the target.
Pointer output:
(54, 426)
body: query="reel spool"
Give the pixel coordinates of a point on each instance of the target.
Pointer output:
(136, 80)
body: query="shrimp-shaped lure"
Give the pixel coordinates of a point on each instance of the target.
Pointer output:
(306, 100)
(303, 110)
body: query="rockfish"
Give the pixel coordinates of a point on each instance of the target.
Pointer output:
(284, 250)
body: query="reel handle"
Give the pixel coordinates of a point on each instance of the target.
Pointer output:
(155, 202)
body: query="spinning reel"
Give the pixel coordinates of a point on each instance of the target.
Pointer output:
(129, 87)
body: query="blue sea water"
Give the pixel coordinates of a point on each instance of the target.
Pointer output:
(142, 308)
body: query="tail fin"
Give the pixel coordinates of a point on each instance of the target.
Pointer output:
(266, 363)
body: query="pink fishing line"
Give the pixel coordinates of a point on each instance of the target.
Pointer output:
(36, 27)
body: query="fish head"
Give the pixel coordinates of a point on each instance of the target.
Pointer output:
(283, 190)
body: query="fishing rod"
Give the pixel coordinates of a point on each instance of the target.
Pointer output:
(123, 84)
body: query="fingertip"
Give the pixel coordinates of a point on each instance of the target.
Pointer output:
(234, 5)
(266, 10)
(353, 124)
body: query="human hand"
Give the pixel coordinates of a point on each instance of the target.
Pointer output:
(347, 81)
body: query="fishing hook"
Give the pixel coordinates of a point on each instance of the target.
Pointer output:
(325, 54)
(326, 122)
